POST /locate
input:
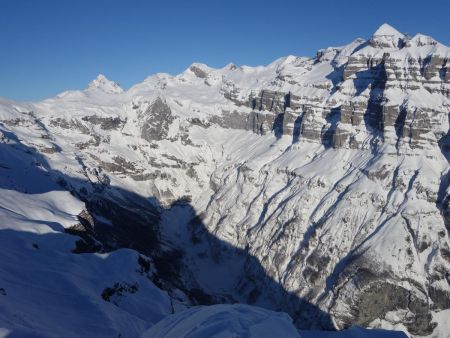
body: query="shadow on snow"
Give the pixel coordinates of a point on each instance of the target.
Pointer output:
(116, 218)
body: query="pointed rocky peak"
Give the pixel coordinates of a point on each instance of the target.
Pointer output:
(387, 36)
(102, 83)
(387, 30)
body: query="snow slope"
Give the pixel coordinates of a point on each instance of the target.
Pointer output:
(244, 321)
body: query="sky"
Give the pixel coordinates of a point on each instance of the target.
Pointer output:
(49, 46)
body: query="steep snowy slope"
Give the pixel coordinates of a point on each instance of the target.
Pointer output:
(316, 186)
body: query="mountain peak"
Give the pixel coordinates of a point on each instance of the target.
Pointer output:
(104, 84)
(387, 30)
(200, 70)
(387, 36)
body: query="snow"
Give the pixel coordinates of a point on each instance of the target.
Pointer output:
(104, 84)
(387, 30)
(443, 329)
(44, 285)
(47, 287)
(272, 193)
(224, 321)
(246, 321)
(353, 332)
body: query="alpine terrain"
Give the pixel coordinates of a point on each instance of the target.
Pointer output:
(314, 186)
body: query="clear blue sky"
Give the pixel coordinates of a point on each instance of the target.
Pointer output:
(48, 46)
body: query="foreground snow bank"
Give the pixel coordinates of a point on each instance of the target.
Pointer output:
(224, 321)
(247, 321)
(354, 332)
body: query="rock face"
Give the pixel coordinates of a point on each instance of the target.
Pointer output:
(317, 186)
(157, 119)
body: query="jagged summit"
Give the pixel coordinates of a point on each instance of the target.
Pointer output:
(103, 83)
(387, 30)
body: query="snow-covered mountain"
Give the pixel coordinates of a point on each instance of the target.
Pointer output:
(314, 186)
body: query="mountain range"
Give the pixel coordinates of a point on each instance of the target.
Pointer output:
(315, 186)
